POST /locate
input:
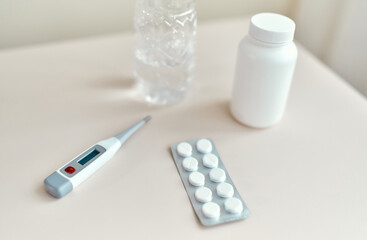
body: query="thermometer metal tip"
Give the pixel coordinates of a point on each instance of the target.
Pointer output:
(123, 136)
(147, 118)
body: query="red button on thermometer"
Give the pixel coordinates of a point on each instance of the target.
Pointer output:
(66, 178)
(70, 170)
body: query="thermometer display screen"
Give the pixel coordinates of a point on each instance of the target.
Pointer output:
(89, 157)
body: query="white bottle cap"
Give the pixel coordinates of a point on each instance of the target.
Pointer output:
(272, 28)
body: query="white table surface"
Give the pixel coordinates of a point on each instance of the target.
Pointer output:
(305, 178)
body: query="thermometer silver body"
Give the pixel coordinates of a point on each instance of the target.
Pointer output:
(69, 176)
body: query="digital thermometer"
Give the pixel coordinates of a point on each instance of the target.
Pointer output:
(69, 176)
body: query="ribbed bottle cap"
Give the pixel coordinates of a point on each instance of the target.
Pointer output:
(272, 28)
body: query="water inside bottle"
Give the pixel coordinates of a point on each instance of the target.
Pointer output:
(164, 51)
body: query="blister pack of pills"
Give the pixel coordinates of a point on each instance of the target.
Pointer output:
(212, 193)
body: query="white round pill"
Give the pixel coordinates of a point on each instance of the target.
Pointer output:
(233, 205)
(210, 160)
(197, 179)
(211, 210)
(203, 194)
(225, 190)
(204, 146)
(190, 164)
(184, 149)
(217, 175)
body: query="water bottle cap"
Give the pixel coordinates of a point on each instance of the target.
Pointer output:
(272, 28)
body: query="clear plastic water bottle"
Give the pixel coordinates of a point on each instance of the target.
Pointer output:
(164, 48)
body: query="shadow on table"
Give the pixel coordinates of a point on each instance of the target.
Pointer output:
(212, 116)
(41, 193)
(115, 83)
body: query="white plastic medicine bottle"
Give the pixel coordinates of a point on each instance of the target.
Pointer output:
(265, 65)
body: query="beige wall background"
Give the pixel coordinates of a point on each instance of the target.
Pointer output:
(24, 22)
(334, 30)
